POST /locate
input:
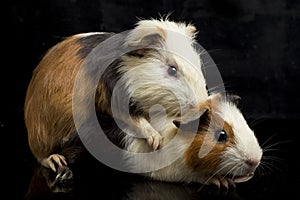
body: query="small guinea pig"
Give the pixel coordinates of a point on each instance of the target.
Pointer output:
(222, 150)
(164, 68)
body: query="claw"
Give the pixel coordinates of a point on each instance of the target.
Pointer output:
(63, 174)
(54, 159)
(62, 181)
(155, 140)
(52, 166)
(224, 183)
(231, 183)
(216, 182)
(150, 140)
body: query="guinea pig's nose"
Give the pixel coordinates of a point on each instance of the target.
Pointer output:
(252, 163)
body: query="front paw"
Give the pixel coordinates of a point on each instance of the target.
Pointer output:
(54, 161)
(63, 180)
(64, 174)
(222, 182)
(145, 130)
(155, 140)
(60, 181)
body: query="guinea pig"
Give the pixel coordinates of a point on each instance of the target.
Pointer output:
(219, 148)
(161, 67)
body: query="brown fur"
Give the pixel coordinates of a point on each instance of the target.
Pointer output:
(209, 123)
(48, 115)
(48, 102)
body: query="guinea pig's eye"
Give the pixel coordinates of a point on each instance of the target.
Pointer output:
(172, 71)
(221, 135)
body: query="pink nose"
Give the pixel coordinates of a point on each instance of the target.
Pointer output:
(252, 163)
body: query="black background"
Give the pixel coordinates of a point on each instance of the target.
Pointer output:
(255, 45)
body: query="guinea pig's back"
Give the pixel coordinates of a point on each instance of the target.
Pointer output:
(48, 102)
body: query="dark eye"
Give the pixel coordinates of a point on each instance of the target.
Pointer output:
(221, 136)
(172, 71)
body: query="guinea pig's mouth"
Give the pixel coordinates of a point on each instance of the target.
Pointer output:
(241, 178)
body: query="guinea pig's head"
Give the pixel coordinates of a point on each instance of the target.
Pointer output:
(224, 146)
(163, 67)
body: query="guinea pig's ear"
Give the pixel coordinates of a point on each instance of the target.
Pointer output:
(147, 41)
(193, 125)
(233, 98)
(145, 37)
(191, 120)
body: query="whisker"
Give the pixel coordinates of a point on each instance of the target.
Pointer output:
(270, 167)
(274, 144)
(268, 164)
(257, 121)
(269, 139)
(273, 158)
(234, 169)
(266, 168)
(269, 149)
(271, 161)
(213, 175)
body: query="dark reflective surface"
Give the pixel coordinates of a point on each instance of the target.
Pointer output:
(254, 43)
(277, 176)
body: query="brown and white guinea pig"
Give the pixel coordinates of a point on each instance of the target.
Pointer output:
(218, 148)
(164, 68)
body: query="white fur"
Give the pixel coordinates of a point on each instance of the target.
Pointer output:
(149, 83)
(247, 146)
(175, 171)
(151, 76)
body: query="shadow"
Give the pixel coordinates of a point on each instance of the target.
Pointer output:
(97, 181)
(176, 191)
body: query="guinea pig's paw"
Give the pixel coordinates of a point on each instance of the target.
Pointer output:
(63, 180)
(222, 182)
(155, 140)
(54, 160)
(64, 174)
(227, 183)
